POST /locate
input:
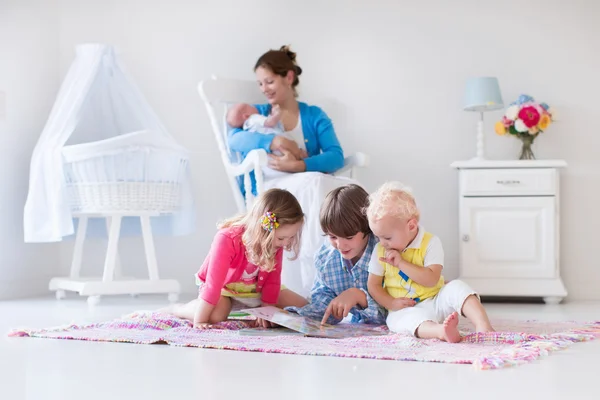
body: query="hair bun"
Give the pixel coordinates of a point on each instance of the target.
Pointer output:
(289, 53)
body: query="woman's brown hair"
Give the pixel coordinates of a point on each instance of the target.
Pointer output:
(280, 62)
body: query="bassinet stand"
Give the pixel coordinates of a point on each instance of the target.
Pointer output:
(108, 285)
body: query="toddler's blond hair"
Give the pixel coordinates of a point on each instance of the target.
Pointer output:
(395, 199)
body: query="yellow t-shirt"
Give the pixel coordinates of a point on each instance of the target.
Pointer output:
(398, 284)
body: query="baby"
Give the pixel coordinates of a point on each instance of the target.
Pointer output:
(247, 117)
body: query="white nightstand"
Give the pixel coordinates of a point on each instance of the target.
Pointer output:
(509, 227)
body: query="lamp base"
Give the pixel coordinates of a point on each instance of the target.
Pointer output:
(480, 143)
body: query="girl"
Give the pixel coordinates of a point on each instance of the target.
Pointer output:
(244, 261)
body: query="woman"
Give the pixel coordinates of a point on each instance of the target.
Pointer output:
(277, 75)
(314, 150)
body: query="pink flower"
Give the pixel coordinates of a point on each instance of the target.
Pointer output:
(507, 122)
(530, 116)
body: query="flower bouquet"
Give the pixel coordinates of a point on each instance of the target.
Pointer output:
(525, 119)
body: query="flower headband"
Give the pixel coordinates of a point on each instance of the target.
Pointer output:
(269, 221)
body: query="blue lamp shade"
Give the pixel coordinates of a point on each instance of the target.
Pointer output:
(483, 94)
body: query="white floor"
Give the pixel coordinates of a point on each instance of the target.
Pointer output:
(62, 369)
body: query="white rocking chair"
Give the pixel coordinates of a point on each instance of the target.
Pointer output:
(218, 94)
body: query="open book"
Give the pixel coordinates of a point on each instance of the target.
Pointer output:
(312, 327)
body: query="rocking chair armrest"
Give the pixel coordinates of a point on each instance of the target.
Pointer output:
(355, 160)
(255, 159)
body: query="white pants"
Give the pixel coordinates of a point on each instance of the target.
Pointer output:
(451, 298)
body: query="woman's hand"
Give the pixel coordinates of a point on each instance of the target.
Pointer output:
(286, 163)
(284, 144)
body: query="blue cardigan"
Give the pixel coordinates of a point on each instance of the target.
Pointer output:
(324, 151)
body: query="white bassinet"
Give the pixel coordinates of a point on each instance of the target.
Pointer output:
(138, 174)
(134, 172)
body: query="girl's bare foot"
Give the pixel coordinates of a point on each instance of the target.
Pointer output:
(451, 333)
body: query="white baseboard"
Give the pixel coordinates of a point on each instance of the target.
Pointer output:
(19, 289)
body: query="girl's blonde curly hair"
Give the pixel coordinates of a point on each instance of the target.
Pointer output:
(257, 240)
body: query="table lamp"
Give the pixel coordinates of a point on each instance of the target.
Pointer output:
(482, 94)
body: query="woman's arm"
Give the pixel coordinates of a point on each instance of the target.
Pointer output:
(332, 156)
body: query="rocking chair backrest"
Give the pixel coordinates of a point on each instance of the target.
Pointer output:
(218, 95)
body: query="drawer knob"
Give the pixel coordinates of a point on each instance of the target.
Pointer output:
(508, 182)
(465, 238)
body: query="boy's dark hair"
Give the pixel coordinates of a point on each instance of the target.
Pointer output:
(342, 212)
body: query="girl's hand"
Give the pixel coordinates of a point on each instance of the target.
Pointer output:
(402, 302)
(286, 163)
(199, 321)
(392, 257)
(263, 323)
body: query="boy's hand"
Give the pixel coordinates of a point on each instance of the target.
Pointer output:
(402, 302)
(341, 305)
(392, 257)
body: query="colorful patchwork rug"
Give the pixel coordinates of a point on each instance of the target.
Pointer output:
(514, 343)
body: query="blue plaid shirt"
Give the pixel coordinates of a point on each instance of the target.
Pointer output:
(336, 275)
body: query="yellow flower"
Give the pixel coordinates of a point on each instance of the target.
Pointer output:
(544, 122)
(500, 128)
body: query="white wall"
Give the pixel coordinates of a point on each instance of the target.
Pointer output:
(390, 74)
(29, 80)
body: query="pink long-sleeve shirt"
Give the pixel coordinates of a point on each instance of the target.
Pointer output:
(226, 262)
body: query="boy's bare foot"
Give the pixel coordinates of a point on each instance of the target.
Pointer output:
(451, 333)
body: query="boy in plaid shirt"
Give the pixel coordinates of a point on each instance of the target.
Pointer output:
(342, 265)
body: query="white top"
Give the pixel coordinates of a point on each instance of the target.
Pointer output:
(297, 135)
(433, 255)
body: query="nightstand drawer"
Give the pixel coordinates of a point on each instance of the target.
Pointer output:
(508, 182)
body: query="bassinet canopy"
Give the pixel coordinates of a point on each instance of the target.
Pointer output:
(100, 111)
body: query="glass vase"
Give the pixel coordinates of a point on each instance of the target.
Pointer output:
(526, 151)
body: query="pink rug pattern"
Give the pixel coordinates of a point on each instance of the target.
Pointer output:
(514, 343)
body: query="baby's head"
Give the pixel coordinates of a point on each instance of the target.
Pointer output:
(393, 215)
(238, 113)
